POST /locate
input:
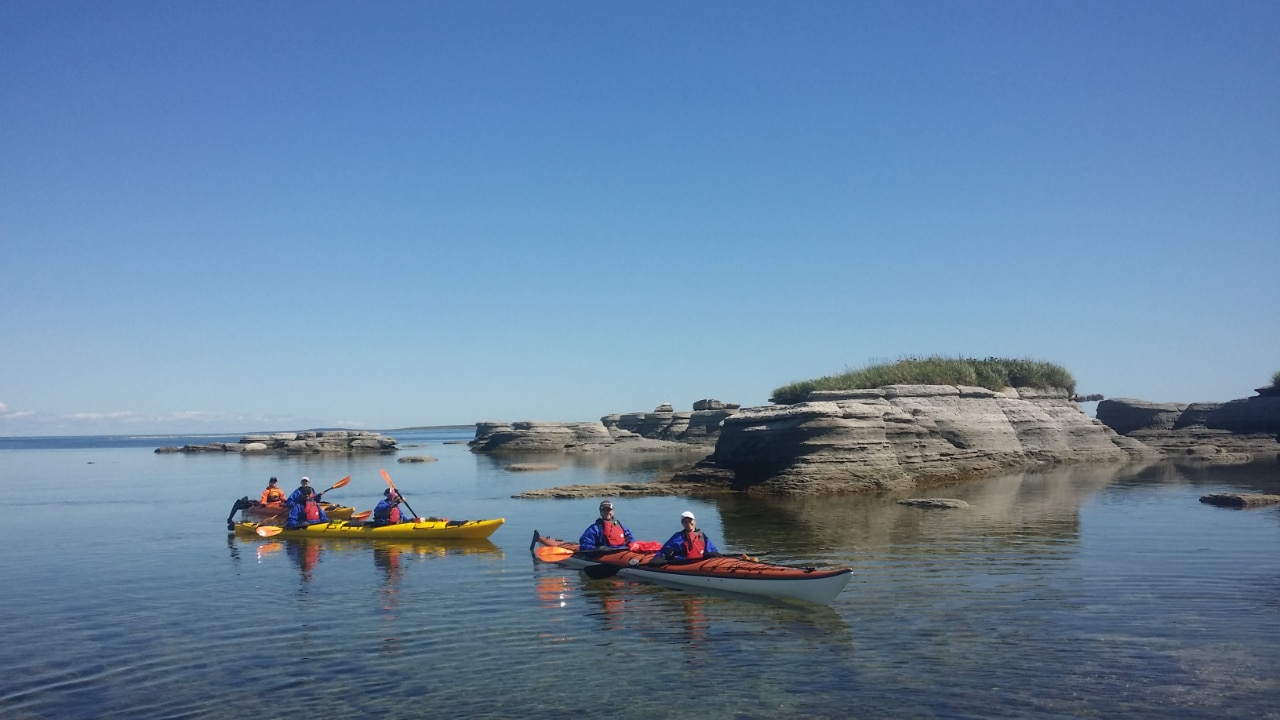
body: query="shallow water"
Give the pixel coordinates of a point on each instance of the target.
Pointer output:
(1083, 592)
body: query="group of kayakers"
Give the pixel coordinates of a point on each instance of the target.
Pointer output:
(608, 533)
(304, 505)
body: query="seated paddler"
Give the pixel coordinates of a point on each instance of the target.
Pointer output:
(303, 484)
(387, 512)
(688, 544)
(606, 532)
(273, 496)
(305, 511)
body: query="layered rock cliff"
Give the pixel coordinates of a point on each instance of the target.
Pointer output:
(1235, 431)
(900, 436)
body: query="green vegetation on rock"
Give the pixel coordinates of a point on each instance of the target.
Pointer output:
(992, 373)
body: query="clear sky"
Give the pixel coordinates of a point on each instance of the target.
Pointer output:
(238, 216)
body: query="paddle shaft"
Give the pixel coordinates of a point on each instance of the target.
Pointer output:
(395, 490)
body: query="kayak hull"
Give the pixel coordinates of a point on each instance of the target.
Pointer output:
(730, 574)
(425, 530)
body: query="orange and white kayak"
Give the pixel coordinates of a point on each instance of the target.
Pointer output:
(725, 573)
(276, 514)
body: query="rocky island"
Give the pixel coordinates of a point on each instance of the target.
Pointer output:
(900, 436)
(309, 441)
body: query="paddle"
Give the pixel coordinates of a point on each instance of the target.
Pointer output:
(269, 530)
(552, 554)
(341, 483)
(387, 477)
(361, 516)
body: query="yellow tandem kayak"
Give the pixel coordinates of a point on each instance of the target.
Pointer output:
(429, 528)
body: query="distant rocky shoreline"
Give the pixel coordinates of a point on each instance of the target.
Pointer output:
(310, 441)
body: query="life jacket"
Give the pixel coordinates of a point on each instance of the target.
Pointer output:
(272, 496)
(612, 532)
(312, 511)
(695, 544)
(385, 513)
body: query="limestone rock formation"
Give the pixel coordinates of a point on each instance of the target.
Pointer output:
(312, 441)
(530, 436)
(901, 436)
(1229, 432)
(697, 427)
(663, 428)
(1124, 415)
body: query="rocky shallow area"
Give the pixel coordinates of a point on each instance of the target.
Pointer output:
(310, 441)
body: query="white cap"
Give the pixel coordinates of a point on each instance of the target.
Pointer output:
(306, 479)
(687, 514)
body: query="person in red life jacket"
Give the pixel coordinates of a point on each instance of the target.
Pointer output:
(605, 533)
(387, 512)
(273, 496)
(305, 511)
(688, 544)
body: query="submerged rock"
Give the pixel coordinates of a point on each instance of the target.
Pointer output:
(1240, 500)
(935, 503)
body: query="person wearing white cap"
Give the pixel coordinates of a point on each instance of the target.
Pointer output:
(296, 497)
(605, 533)
(688, 544)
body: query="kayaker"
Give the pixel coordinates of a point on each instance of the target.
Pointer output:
(688, 544)
(273, 496)
(606, 532)
(387, 512)
(303, 484)
(305, 511)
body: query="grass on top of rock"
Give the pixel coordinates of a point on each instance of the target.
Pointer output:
(992, 373)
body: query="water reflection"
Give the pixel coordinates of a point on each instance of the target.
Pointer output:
(305, 554)
(1018, 508)
(699, 620)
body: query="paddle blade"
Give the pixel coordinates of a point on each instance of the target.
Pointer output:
(341, 483)
(552, 554)
(269, 530)
(362, 515)
(387, 477)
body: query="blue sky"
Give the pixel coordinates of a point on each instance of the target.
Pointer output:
(237, 216)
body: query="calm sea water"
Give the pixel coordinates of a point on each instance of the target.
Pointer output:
(1081, 592)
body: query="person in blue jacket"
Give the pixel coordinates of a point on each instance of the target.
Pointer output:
(605, 532)
(304, 484)
(387, 512)
(688, 544)
(305, 511)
